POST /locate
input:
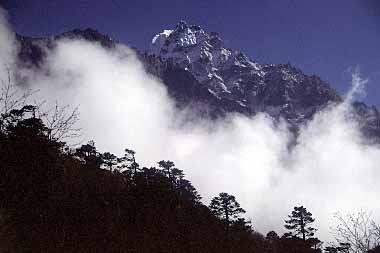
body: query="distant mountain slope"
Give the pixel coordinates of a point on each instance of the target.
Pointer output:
(33, 50)
(200, 72)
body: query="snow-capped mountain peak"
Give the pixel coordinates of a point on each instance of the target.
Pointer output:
(238, 82)
(203, 54)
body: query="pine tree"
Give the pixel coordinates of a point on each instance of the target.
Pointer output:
(298, 223)
(226, 207)
(109, 160)
(167, 167)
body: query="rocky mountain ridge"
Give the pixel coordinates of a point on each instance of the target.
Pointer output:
(201, 73)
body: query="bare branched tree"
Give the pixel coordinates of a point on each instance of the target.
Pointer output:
(357, 230)
(11, 97)
(376, 231)
(61, 122)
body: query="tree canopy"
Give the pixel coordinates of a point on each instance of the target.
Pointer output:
(226, 207)
(299, 222)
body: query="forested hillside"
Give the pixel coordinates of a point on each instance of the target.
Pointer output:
(56, 198)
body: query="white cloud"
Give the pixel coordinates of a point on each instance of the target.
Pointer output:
(8, 47)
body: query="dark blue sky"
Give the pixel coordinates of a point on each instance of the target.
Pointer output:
(325, 37)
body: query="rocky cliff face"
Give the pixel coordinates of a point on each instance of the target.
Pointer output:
(201, 73)
(234, 81)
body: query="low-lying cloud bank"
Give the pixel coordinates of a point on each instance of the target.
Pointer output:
(332, 168)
